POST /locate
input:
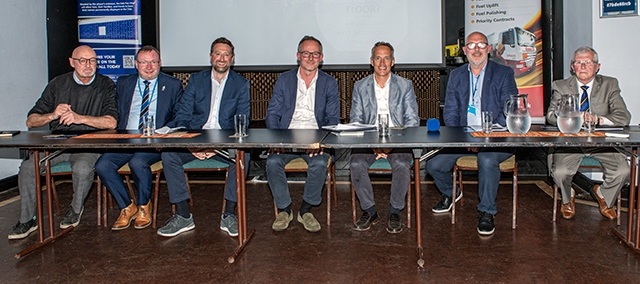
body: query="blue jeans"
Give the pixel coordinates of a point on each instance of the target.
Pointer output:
(139, 162)
(440, 168)
(177, 183)
(316, 174)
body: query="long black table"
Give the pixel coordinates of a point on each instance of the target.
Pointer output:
(416, 139)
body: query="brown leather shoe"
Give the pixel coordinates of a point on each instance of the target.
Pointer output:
(607, 212)
(569, 210)
(126, 215)
(144, 216)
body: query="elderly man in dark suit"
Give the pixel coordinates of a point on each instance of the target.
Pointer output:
(389, 94)
(602, 103)
(210, 101)
(146, 93)
(480, 85)
(303, 98)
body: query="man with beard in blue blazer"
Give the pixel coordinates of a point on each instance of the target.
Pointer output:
(148, 92)
(210, 101)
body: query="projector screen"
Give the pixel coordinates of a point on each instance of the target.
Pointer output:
(267, 32)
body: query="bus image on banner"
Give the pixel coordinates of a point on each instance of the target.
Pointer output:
(515, 48)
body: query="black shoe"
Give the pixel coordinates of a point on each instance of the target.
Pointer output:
(394, 225)
(365, 221)
(485, 224)
(445, 203)
(22, 230)
(71, 218)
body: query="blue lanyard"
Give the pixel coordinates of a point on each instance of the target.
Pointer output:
(475, 87)
(150, 92)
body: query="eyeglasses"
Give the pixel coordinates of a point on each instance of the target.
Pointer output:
(153, 62)
(84, 61)
(585, 62)
(306, 54)
(473, 45)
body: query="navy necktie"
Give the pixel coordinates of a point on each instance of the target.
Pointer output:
(144, 107)
(584, 100)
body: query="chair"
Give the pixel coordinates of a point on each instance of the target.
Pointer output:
(298, 165)
(382, 166)
(208, 165)
(60, 169)
(586, 163)
(156, 171)
(470, 163)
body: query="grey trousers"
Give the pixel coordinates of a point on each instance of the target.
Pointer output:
(564, 163)
(400, 162)
(82, 168)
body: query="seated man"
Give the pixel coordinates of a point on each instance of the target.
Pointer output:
(211, 99)
(149, 92)
(601, 101)
(76, 101)
(480, 85)
(382, 93)
(303, 98)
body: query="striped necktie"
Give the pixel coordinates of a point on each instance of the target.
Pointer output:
(144, 107)
(584, 100)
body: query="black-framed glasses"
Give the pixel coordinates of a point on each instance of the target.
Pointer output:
(306, 54)
(473, 45)
(84, 61)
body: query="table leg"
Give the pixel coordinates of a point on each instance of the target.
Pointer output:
(241, 195)
(632, 204)
(416, 172)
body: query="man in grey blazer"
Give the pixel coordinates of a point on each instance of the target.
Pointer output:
(607, 108)
(388, 94)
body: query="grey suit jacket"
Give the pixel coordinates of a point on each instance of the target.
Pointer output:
(402, 102)
(605, 99)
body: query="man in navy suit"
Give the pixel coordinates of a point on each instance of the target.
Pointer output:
(303, 98)
(210, 101)
(388, 94)
(163, 94)
(480, 85)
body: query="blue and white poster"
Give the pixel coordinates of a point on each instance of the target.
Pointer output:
(112, 29)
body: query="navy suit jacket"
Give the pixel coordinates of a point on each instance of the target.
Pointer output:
(283, 100)
(169, 90)
(194, 107)
(498, 86)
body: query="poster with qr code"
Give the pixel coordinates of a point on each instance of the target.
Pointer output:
(112, 28)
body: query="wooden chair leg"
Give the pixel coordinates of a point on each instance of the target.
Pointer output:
(454, 193)
(55, 195)
(99, 202)
(555, 202)
(328, 197)
(155, 201)
(353, 203)
(104, 205)
(515, 197)
(224, 202)
(130, 188)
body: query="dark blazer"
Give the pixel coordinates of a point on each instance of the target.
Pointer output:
(606, 100)
(498, 86)
(283, 100)
(194, 107)
(169, 90)
(403, 106)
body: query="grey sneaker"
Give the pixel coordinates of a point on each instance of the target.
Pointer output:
(282, 221)
(71, 218)
(176, 225)
(22, 230)
(229, 224)
(310, 223)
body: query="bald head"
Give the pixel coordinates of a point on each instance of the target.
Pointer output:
(84, 62)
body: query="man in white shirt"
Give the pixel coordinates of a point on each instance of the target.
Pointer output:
(303, 98)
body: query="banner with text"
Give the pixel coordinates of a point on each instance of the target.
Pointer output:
(514, 31)
(112, 29)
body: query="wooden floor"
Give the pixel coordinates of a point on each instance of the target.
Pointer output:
(582, 250)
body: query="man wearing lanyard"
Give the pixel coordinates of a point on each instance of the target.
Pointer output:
(602, 102)
(210, 101)
(479, 85)
(146, 93)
